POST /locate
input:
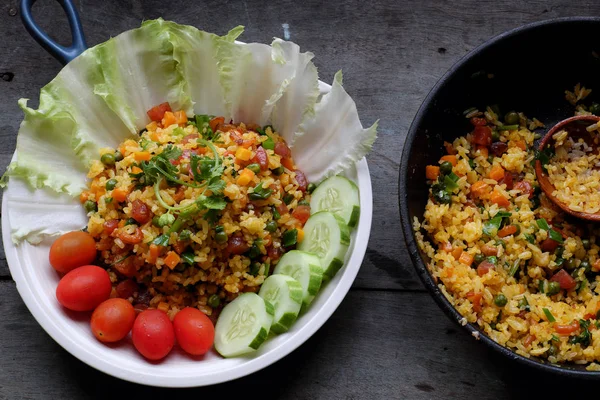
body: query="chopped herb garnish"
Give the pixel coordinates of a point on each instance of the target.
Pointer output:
(268, 144)
(260, 193)
(492, 226)
(188, 258)
(549, 315)
(513, 270)
(584, 337)
(185, 235)
(557, 237)
(530, 238)
(162, 240)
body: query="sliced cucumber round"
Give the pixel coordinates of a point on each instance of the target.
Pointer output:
(306, 269)
(327, 236)
(338, 195)
(243, 325)
(285, 294)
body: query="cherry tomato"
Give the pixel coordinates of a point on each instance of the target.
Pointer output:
(84, 288)
(153, 335)
(72, 250)
(194, 331)
(157, 113)
(112, 320)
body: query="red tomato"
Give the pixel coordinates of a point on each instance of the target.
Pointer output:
(157, 113)
(153, 335)
(112, 320)
(282, 149)
(484, 267)
(564, 279)
(72, 250)
(194, 331)
(301, 213)
(482, 135)
(127, 288)
(84, 288)
(140, 212)
(301, 179)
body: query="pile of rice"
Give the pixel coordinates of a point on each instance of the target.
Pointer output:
(214, 271)
(512, 301)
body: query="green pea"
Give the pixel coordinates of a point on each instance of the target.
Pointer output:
(479, 258)
(130, 221)
(271, 226)
(585, 264)
(586, 244)
(495, 136)
(571, 263)
(254, 268)
(108, 159)
(278, 171)
(442, 197)
(500, 300)
(221, 237)
(595, 109)
(214, 301)
(219, 228)
(110, 184)
(118, 156)
(311, 188)
(90, 206)
(303, 202)
(445, 167)
(493, 259)
(155, 220)
(254, 168)
(512, 118)
(287, 199)
(553, 288)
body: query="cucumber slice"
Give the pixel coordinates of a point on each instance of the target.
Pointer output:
(285, 293)
(338, 195)
(243, 325)
(327, 236)
(306, 269)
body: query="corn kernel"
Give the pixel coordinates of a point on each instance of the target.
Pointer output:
(243, 154)
(300, 236)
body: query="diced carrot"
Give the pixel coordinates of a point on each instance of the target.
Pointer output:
(520, 144)
(97, 189)
(479, 188)
(216, 121)
(180, 117)
(122, 223)
(288, 163)
(245, 177)
(475, 299)
(136, 170)
(447, 247)
(243, 154)
(432, 172)
(507, 231)
(172, 259)
(247, 143)
(451, 159)
(450, 148)
(120, 194)
(168, 119)
(498, 198)
(483, 151)
(142, 155)
(456, 253)
(154, 137)
(162, 306)
(154, 253)
(497, 173)
(84, 196)
(466, 258)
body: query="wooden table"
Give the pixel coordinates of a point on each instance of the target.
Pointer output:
(388, 339)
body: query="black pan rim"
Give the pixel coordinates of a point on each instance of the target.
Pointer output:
(406, 223)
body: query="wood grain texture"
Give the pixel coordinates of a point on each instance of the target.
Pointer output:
(388, 339)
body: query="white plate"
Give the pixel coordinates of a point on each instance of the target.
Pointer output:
(37, 281)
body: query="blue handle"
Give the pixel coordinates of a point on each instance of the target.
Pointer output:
(61, 53)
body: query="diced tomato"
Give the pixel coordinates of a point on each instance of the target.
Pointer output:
(156, 113)
(507, 231)
(564, 279)
(566, 330)
(498, 148)
(110, 226)
(549, 245)
(125, 267)
(589, 316)
(282, 150)
(482, 135)
(525, 188)
(478, 121)
(261, 158)
(507, 179)
(488, 250)
(301, 213)
(301, 180)
(484, 267)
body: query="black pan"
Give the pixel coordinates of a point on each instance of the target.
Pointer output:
(527, 69)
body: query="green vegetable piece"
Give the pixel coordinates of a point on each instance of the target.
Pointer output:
(493, 259)
(594, 108)
(585, 264)
(254, 268)
(303, 202)
(542, 224)
(277, 171)
(161, 240)
(276, 214)
(288, 198)
(571, 263)
(255, 249)
(451, 185)
(110, 184)
(492, 226)
(254, 168)
(221, 237)
(130, 221)
(260, 193)
(557, 237)
(478, 259)
(290, 238)
(524, 304)
(311, 187)
(511, 118)
(165, 220)
(530, 238)
(118, 156)
(268, 144)
(513, 270)
(188, 258)
(549, 315)
(553, 288)
(155, 220)
(500, 300)
(442, 197)
(508, 128)
(185, 235)
(214, 301)
(108, 159)
(445, 167)
(271, 226)
(495, 135)
(90, 206)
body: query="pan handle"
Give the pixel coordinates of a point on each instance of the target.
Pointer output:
(61, 53)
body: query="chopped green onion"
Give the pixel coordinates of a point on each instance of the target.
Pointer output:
(530, 238)
(557, 237)
(543, 224)
(513, 270)
(290, 237)
(188, 258)
(549, 315)
(508, 128)
(493, 259)
(162, 240)
(185, 235)
(491, 227)
(268, 144)
(450, 184)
